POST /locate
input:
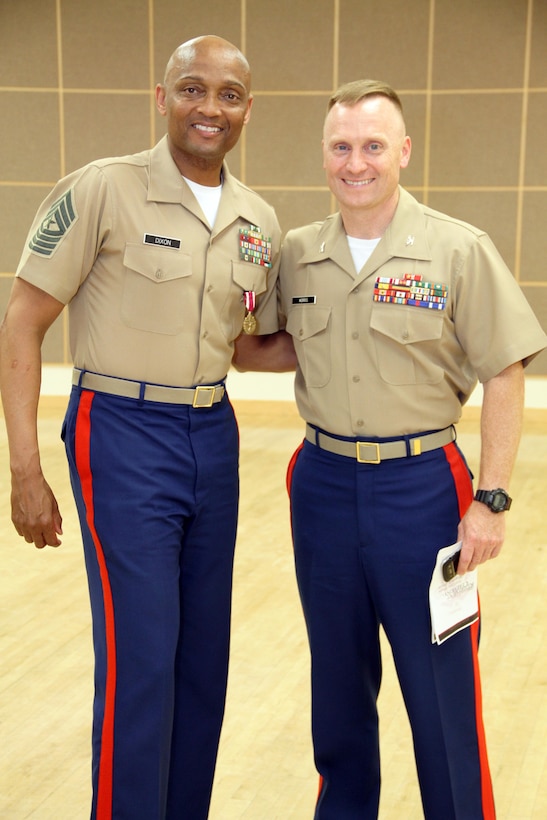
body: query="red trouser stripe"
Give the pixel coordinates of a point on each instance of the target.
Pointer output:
(290, 468)
(288, 482)
(465, 497)
(83, 465)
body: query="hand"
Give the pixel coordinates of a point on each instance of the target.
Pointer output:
(482, 533)
(35, 513)
(273, 352)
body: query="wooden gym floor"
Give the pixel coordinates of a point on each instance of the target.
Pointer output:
(265, 769)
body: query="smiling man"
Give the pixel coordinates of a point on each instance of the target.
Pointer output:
(207, 101)
(364, 149)
(395, 310)
(151, 254)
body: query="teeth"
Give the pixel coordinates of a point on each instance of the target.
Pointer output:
(210, 129)
(357, 182)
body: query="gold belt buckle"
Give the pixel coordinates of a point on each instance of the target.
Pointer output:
(360, 459)
(208, 394)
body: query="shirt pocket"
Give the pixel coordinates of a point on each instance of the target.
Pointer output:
(309, 327)
(408, 343)
(154, 290)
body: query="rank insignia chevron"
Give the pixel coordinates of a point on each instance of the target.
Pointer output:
(54, 226)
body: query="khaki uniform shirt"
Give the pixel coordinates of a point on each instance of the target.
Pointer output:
(389, 368)
(154, 294)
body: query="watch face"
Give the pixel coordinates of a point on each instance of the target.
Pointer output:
(499, 501)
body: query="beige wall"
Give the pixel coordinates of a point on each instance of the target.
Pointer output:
(76, 79)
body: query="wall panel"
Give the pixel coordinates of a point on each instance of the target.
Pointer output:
(76, 83)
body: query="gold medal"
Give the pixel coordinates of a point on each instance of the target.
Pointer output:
(249, 323)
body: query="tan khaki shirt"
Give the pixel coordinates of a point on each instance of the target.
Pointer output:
(154, 294)
(388, 368)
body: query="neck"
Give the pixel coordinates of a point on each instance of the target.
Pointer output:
(202, 170)
(369, 224)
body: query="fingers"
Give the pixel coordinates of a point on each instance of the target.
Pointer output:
(38, 521)
(40, 537)
(482, 533)
(473, 554)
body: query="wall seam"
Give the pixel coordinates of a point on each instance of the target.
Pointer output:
(333, 207)
(243, 137)
(151, 72)
(428, 102)
(523, 135)
(62, 149)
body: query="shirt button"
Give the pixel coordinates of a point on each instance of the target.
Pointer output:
(159, 273)
(355, 335)
(406, 334)
(360, 423)
(300, 332)
(357, 378)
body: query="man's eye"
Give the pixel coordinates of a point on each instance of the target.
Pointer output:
(341, 149)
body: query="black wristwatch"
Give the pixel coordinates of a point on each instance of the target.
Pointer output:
(497, 500)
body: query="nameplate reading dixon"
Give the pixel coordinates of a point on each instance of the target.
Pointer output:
(163, 241)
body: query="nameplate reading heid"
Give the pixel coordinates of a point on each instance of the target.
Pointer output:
(304, 300)
(161, 241)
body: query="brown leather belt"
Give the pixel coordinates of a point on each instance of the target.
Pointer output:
(200, 396)
(373, 452)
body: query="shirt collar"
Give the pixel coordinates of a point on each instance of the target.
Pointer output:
(166, 184)
(404, 237)
(406, 233)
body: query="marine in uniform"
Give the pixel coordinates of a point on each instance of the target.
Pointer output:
(395, 310)
(161, 257)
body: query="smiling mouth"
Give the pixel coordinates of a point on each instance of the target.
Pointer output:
(357, 183)
(207, 129)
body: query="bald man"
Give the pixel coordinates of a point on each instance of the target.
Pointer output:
(161, 257)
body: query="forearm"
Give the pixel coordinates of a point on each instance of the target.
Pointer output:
(271, 353)
(29, 314)
(482, 531)
(20, 378)
(501, 426)
(34, 509)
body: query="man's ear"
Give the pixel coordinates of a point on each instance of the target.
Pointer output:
(160, 99)
(247, 116)
(405, 152)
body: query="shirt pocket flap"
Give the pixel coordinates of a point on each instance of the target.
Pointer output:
(157, 264)
(250, 277)
(306, 322)
(407, 325)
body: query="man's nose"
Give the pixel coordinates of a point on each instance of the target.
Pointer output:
(356, 162)
(209, 105)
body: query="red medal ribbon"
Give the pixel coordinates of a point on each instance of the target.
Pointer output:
(249, 297)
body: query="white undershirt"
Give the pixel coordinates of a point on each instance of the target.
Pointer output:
(208, 198)
(361, 250)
